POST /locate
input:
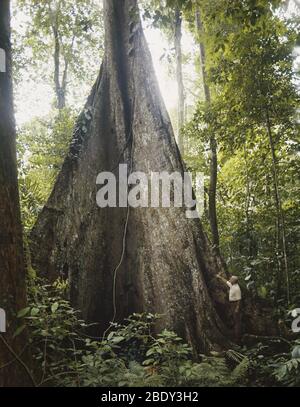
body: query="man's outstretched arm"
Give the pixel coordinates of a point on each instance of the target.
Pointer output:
(222, 279)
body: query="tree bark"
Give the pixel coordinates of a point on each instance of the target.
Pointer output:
(179, 78)
(166, 255)
(12, 274)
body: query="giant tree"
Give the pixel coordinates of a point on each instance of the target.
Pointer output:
(123, 260)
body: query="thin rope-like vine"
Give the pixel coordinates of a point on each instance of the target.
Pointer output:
(115, 272)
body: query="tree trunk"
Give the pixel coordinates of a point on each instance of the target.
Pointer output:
(60, 81)
(60, 85)
(12, 276)
(213, 218)
(280, 221)
(179, 77)
(212, 202)
(166, 255)
(249, 228)
(124, 260)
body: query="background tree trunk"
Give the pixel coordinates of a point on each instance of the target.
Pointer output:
(280, 221)
(179, 78)
(60, 80)
(60, 85)
(12, 275)
(213, 181)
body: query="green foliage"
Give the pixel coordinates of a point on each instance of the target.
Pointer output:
(251, 77)
(79, 29)
(274, 362)
(53, 327)
(134, 337)
(288, 372)
(33, 195)
(131, 354)
(168, 355)
(253, 82)
(42, 147)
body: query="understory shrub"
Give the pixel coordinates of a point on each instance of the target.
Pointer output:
(130, 354)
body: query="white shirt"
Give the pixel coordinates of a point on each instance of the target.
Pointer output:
(234, 292)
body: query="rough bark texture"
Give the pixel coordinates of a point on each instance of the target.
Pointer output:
(12, 276)
(167, 260)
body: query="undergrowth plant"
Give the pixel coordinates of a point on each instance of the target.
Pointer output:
(132, 354)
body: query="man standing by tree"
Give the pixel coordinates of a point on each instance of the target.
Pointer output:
(235, 297)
